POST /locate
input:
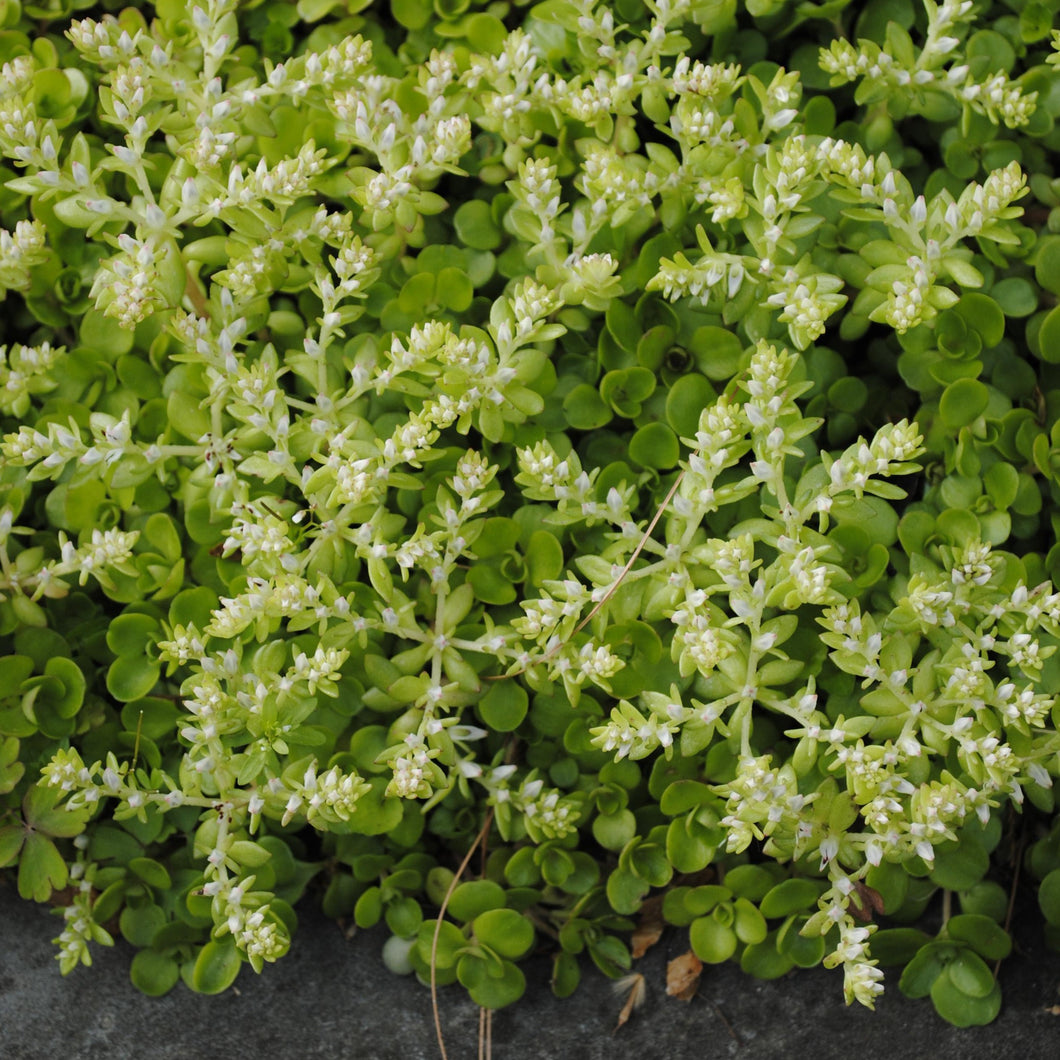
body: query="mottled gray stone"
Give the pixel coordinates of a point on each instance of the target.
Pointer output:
(331, 997)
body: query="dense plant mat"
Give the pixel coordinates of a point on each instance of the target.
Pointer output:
(522, 471)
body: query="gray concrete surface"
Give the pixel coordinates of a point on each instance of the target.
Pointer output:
(332, 998)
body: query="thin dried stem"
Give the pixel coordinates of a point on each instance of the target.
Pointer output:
(1013, 890)
(645, 537)
(438, 930)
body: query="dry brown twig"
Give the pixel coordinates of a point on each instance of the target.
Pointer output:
(483, 831)
(614, 587)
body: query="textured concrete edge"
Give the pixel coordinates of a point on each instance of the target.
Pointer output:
(332, 997)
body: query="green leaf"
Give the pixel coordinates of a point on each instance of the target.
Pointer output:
(963, 402)
(505, 931)
(1016, 296)
(805, 951)
(584, 409)
(893, 946)
(764, 961)
(712, 942)
(474, 897)
(455, 289)
(961, 1009)
(139, 924)
(544, 558)
(504, 706)
(151, 872)
(983, 314)
(625, 891)
(129, 634)
(655, 445)
(960, 867)
(40, 868)
(1049, 337)
(970, 974)
(154, 974)
(11, 838)
(216, 967)
(1048, 896)
(752, 882)
(717, 352)
(687, 399)
(922, 971)
(451, 941)
(983, 934)
(789, 896)
(475, 226)
(748, 922)
(131, 677)
(487, 989)
(369, 908)
(566, 975)
(404, 917)
(1047, 264)
(43, 813)
(985, 898)
(614, 830)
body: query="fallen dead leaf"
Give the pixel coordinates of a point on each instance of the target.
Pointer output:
(638, 988)
(650, 927)
(682, 976)
(870, 902)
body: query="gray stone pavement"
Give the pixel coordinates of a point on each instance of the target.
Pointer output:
(332, 998)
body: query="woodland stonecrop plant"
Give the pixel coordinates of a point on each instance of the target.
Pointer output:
(356, 476)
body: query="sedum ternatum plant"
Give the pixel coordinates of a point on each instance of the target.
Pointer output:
(619, 435)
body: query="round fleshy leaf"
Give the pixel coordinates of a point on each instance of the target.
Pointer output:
(154, 974)
(1049, 336)
(687, 399)
(789, 896)
(504, 706)
(894, 946)
(963, 402)
(487, 989)
(139, 924)
(961, 1009)
(450, 941)
(712, 943)
(764, 961)
(216, 967)
(655, 445)
(566, 974)
(505, 932)
(752, 882)
(748, 922)
(474, 897)
(625, 891)
(1049, 897)
(970, 974)
(131, 677)
(921, 972)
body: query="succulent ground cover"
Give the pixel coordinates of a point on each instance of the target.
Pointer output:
(529, 472)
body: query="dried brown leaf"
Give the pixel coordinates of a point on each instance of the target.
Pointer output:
(682, 976)
(870, 901)
(638, 988)
(650, 927)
